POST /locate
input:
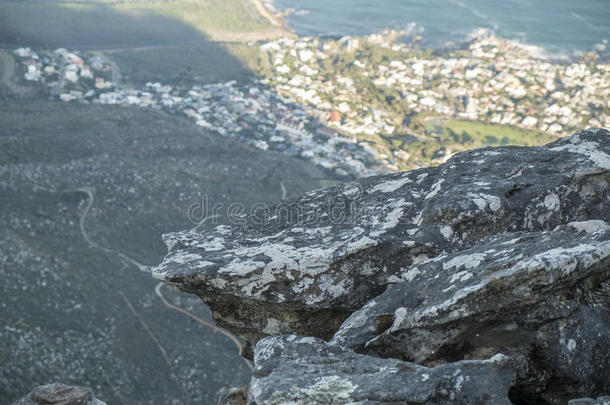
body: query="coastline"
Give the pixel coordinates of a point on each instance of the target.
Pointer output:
(268, 13)
(278, 28)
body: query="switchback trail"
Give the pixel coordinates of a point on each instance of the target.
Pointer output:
(158, 344)
(201, 321)
(90, 192)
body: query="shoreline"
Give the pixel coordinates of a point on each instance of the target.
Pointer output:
(272, 16)
(277, 19)
(277, 29)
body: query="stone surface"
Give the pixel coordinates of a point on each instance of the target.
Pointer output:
(304, 265)
(539, 297)
(605, 400)
(498, 251)
(59, 394)
(306, 370)
(234, 396)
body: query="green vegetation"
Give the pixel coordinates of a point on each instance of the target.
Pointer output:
(444, 136)
(203, 15)
(478, 134)
(103, 24)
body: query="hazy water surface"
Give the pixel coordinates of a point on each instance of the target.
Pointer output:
(561, 27)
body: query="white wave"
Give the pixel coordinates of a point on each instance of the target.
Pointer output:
(534, 51)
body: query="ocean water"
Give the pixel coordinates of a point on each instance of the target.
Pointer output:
(561, 28)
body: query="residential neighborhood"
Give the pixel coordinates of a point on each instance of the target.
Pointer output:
(252, 114)
(330, 100)
(492, 80)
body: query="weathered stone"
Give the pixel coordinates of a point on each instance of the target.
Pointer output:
(234, 396)
(303, 266)
(307, 371)
(503, 250)
(539, 297)
(59, 394)
(605, 400)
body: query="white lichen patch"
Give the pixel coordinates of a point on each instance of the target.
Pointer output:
(588, 149)
(213, 245)
(551, 202)
(411, 274)
(466, 261)
(273, 327)
(218, 283)
(326, 390)
(183, 258)
(460, 276)
(390, 186)
(566, 260)
(400, 314)
(436, 187)
(421, 177)
(447, 232)
(391, 219)
(482, 201)
(591, 226)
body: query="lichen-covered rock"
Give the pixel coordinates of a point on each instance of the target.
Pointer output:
(605, 400)
(307, 371)
(303, 266)
(542, 298)
(59, 394)
(234, 396)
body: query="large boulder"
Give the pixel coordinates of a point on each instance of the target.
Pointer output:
(542, 298)
(499, 250)
(304, 265)
(305, 370)
(59, 394)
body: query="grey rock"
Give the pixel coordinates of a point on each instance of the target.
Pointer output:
(306, 264)
(605, 400)
(538, 297)
(499, 250)
(234, 396)
(59, 394)
(308, 371)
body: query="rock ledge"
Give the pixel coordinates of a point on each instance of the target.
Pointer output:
(493, 267)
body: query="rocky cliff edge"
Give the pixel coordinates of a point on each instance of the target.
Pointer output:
(485, 280)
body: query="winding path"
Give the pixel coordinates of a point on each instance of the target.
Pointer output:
(90, 192)
(158, 344)
(203, 221)
(201, 321)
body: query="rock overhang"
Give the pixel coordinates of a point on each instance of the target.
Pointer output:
(499, 250)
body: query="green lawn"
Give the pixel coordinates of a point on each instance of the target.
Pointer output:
(447, 136)
(481, 134)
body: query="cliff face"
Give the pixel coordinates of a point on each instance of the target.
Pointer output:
(483, 279)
